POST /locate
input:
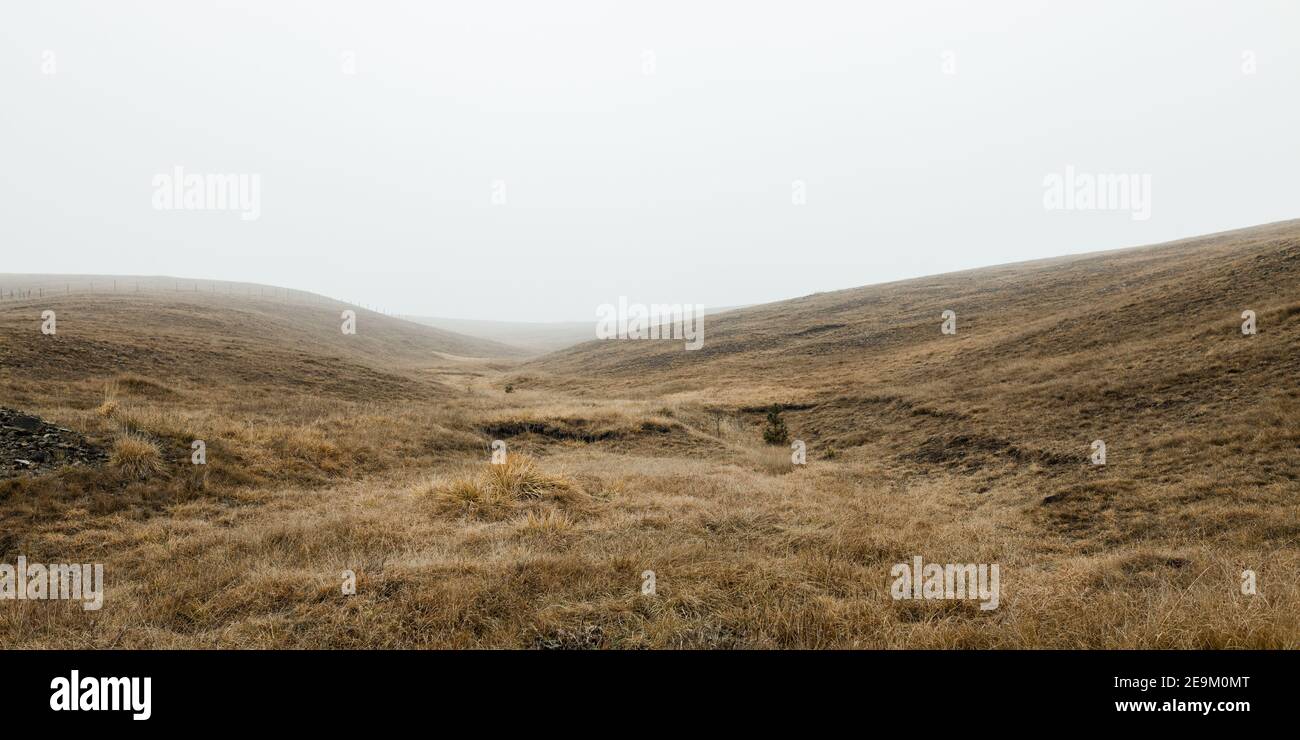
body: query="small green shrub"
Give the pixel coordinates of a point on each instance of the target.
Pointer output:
(775, 433)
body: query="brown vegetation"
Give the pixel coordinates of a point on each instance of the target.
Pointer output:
(327, 454)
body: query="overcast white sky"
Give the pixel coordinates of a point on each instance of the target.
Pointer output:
(648, 149)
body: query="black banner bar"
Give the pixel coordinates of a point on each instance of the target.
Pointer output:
(209, 689)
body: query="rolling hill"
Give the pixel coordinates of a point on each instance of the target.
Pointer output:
(371, 454)
(1139, 348)
(261, 337)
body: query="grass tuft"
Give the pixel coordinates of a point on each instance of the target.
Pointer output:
(495, 490)
(136, 457)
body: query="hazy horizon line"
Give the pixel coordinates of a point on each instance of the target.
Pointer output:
(708, 310)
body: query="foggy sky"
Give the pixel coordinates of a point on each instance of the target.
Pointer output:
(647, 150)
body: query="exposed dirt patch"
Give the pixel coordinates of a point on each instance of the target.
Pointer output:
(648, 437)
(28, 444)
(764, 408)
(581, 430)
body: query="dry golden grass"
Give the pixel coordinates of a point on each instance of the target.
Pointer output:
(495, 490)
(136, 457)
(628, 457)
(109, 407)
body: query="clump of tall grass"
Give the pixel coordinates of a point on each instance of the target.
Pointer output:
(109, 406)
(136, 457)
(496, 489)
(547, 525)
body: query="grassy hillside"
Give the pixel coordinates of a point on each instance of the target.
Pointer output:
(634, 456)
(1140, 348)
(274, 387)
